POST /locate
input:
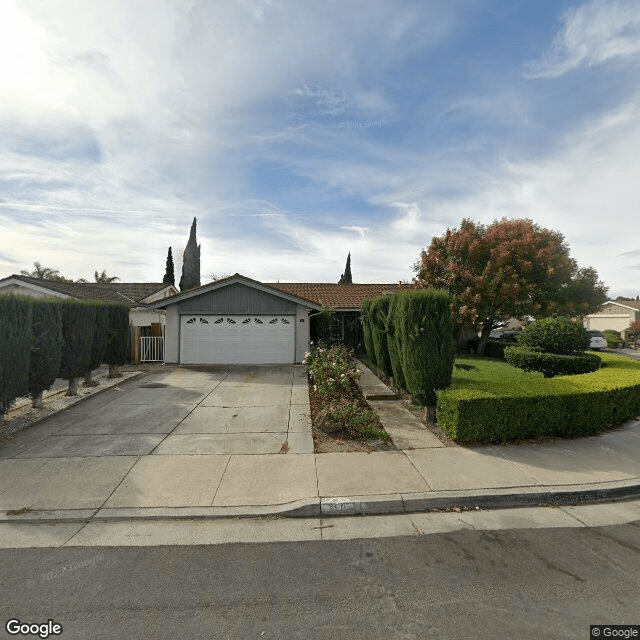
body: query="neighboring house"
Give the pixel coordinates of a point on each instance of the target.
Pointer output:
(614, 314)
(236, 320)
(345, 300)
(136, 295)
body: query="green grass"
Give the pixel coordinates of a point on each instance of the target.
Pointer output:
(496, 377)
(496, 402)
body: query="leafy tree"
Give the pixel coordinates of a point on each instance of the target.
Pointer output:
(633, 332)
(103, 277)
(346, 278)
(169, 274)
(46, 351)
(191, 262)
(45, 273)
(15, 347)
(510, 268)
(40, 272)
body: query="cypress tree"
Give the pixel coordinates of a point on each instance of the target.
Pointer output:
(379, 310)
(99, 346)
(346, 278)
(117, 351)
(426, 339)
(47, 348)
(191, 262)
(15, 349)
(169, 274)
(77, 332)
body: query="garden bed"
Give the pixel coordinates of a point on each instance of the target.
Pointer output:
(342, 420)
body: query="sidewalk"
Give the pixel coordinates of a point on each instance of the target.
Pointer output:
(139, 481)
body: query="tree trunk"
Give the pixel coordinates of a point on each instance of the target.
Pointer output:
(487, 326)
(89, 381)
(114, 371)
(36, 400)
(72, 390)
(430, 415)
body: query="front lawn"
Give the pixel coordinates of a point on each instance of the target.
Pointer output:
(491, 401)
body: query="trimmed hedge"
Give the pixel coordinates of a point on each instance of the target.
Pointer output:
(367, 330)
(117, 350)
(494, 349)
(393, 344)
(101, 327)
(77, 330)
(379, 312)
(570, 407)
(555, 335)
(47, 347)
(425, 329)
(551, 364)
(15, 348)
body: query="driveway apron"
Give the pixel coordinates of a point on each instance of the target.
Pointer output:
(168, 439)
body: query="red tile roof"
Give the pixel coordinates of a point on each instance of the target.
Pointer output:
(338, 296)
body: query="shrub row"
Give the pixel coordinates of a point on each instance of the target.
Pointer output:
(551, 364)
(410, 335)
(494, 349)
(567, 407)
(41, 340)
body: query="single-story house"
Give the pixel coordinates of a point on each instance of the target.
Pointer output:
(614, 314)
(143, 320)
(238, 320)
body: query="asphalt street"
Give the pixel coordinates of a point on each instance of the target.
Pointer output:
(468, 584)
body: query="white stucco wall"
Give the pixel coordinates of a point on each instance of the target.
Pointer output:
(302, 332)
(172, 335)
(145, 317)
(617, 322)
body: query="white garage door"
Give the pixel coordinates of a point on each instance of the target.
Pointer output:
(237, 339)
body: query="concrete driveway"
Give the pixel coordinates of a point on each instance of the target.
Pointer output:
(189, 411)
(178, 437)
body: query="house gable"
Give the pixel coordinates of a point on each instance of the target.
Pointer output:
(236, 299)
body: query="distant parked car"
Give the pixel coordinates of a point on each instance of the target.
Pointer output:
(597, 340)
(503, 335)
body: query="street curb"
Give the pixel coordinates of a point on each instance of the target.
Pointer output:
(393, 504)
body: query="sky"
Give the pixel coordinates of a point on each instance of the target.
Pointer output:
(297, 131)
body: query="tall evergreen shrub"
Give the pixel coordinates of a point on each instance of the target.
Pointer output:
(425, 329)
(118, 341)
(393, 343)
(379, 310)
(15, 348)
(47, 348)
(100, 337)
(365, 316)
(77, 331)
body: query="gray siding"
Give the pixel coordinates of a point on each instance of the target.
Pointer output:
(238, 299)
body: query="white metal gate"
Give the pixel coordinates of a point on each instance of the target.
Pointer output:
(152, 349)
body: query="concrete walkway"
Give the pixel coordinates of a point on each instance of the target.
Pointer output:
(236, 442)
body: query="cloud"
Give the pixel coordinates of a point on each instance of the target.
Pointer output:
(593, 33)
